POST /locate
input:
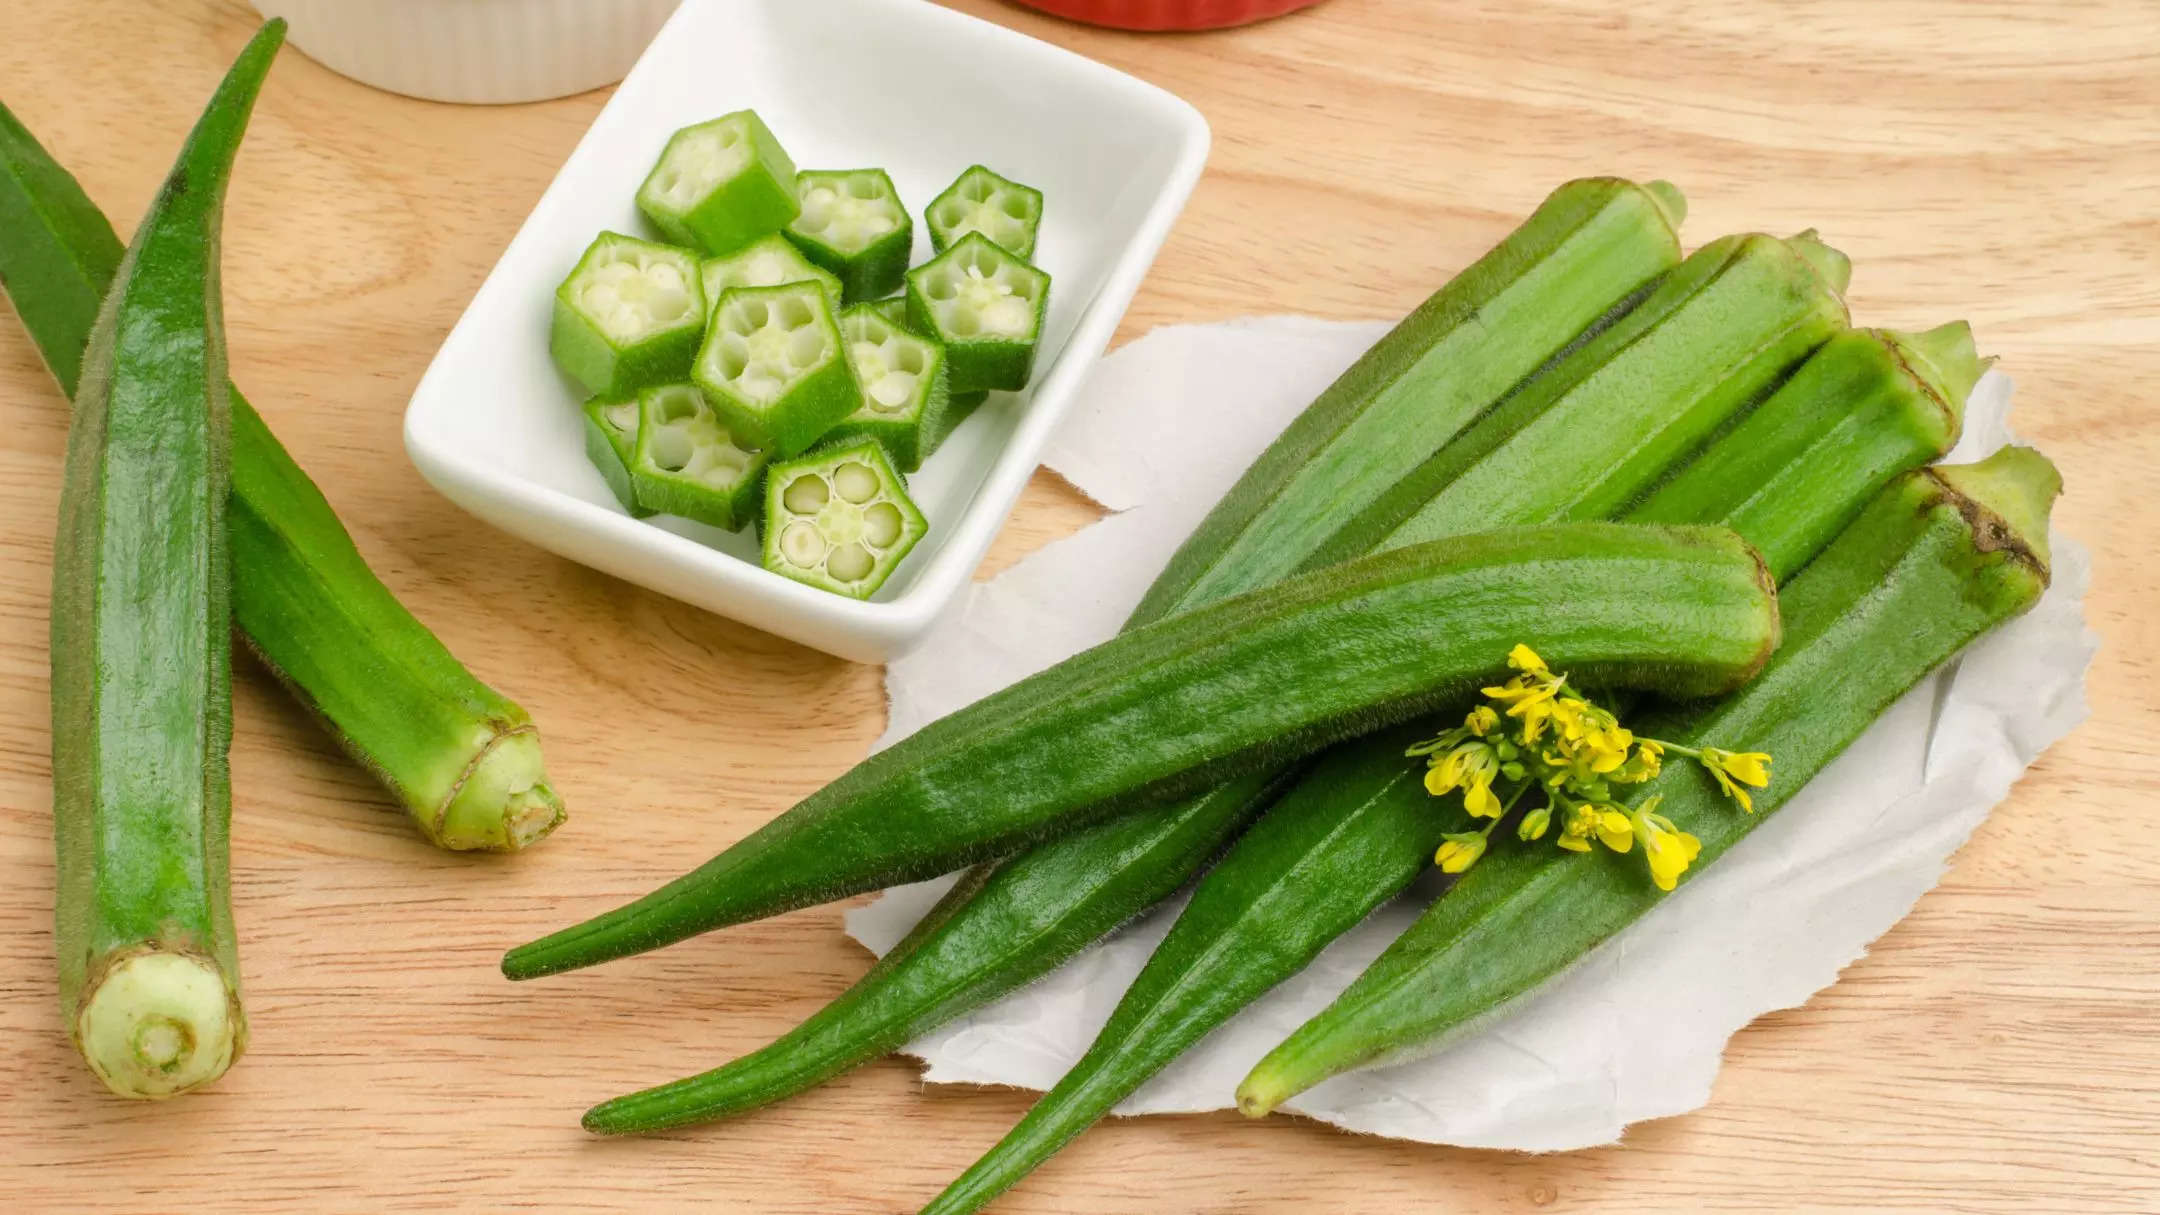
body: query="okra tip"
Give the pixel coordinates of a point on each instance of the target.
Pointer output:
(1944, 358)
(157, 1023)
(503, 803)
(1834, 267)
(1670, 201)
(2014, 488)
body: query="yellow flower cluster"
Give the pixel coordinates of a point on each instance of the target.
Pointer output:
(1545, 736)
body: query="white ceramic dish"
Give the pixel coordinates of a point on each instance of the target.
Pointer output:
(923, 92)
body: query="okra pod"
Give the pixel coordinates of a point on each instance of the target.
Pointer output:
(1360, 827)
(720, 185)
(1166, 710)
(628, 316)
(1004, 211)
(985, 307)
(1570, 268)
(852, 224)
(906, 397)
(461, 759)
(769, 261)
(611, 436)
(774, 368)
(1939, 558)
(688, 462)
(141, 638)
(839, 519)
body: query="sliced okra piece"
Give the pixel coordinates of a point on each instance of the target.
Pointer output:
(985, 306)
(901, 375)
(768, 261)
(628, 316)
(1005, 211)
(852, 224)
(721, 184)
(611, 434)
(773, 366)
(839, 519)
(689, 463)
(893, 308)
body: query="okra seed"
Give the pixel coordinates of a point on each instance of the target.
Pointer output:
(801, 544)
(623, 416)
(963, 322)
(1009, 315)
(855, 482)
(892, 391)
(850, 563)
(806, 495)
(881, 524)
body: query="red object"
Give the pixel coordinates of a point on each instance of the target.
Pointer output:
(1168, 14)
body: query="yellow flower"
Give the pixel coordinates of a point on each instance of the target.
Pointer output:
(1470, 767)
(1588, 821)
(1459, 851)
(1482, 721)
(1667, 849)
(1736, 768)
(1614, 829)
(1523, 658)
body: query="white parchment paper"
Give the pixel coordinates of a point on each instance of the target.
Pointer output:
(1637, 1029)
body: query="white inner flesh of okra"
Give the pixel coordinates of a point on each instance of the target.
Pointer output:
(979, 204)
(698, 160)
(848, 213)
(889, 364)
(689, 441)
(979, 292)
(769, 263)
(621, 417)
(842, 523)
(632, 293)
(768, 343)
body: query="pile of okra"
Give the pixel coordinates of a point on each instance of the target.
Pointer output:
(773, 361)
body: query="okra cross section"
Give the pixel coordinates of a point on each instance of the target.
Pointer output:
(986, 307)
(721, 184)
(769, 261)
(689, 463)
(839, 519)
(905, 406)
(628, 316)
(611, 433)
(773, 367)
(1005, 211)
(852, 224)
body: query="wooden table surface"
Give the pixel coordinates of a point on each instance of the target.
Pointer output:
(1999, 1050)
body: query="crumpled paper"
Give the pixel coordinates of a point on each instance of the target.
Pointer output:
(1637, 1029)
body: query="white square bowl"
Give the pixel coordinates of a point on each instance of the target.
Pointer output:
(918, 90)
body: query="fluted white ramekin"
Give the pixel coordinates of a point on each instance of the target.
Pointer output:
(476, 51)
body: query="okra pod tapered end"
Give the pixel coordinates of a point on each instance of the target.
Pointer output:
(157, 1022)
(1670, 201)
(502, 802)
(1944, 358)
(1834, 267)
(2016, 486)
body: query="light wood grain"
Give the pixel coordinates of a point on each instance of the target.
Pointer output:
(1998, 1051)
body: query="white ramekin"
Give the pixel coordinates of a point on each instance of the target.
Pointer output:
(475, 51)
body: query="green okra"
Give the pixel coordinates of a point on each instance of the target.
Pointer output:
(721, 184)
(1004, 211)
(1569, 268)
(853, 224)
(986, 308)
(141, 637)
(774, 368)
(1166, 710)
(628, 316)
(769, 261)
(611, 435)
(1939, 558)
(688, 462)
(1360, 827)
(906, 399)
(839, 519)
(463, 760)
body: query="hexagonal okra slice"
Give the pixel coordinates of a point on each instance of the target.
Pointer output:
(986, 307)
(721, 184)
(839, 518)
(1006, 212)
(773, 366)
(611, 432)
(852, 224)
(689, 463)
(629, 315)
(768, 261)
(901, 376)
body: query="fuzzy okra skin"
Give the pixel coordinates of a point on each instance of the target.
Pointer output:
(1360, 827)
(1938, 558)
(1712, 337)
(141, 639)
(462, 759)
(1164, 710)
(1576, 263)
